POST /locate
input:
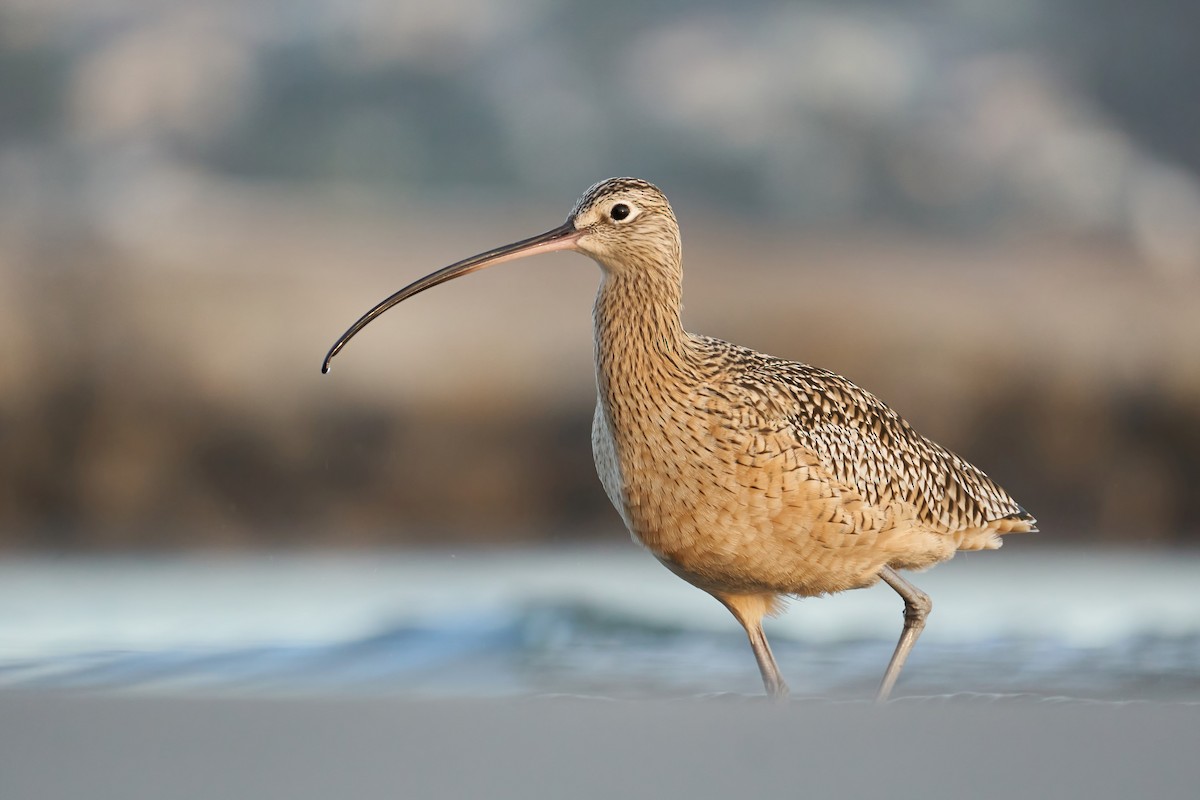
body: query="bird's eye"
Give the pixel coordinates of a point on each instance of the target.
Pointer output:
(619, 211)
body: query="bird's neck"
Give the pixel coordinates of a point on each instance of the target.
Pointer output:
(641, 347)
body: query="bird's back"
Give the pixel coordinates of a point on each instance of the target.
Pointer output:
(863, 444)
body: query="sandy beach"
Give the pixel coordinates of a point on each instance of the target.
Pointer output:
(119, 747)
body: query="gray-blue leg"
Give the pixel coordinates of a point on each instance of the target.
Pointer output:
(917, 606)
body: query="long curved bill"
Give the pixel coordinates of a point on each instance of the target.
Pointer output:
(561, 238)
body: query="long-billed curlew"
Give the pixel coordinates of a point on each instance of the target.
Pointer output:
(750, 477)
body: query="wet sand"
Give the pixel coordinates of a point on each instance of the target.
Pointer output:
(114, 746)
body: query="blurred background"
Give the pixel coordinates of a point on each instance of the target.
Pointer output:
(988, 216)
(987, 213)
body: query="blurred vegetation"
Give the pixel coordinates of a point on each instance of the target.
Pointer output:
(988, 215)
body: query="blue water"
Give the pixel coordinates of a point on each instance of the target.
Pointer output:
(608, 622)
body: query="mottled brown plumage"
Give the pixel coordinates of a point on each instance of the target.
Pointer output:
(751, 477)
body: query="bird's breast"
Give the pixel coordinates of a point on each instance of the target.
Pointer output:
(608, 463)
(672, 471)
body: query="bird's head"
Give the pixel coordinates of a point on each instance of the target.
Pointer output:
(626, 224)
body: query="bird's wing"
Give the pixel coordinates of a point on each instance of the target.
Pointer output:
(862, 443)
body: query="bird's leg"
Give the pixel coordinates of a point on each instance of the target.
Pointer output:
(749, 611)
(772, 680)
(917, 606)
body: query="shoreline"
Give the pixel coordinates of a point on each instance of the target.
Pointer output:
(105, 746)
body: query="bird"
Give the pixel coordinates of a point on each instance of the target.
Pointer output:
(751, 477)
